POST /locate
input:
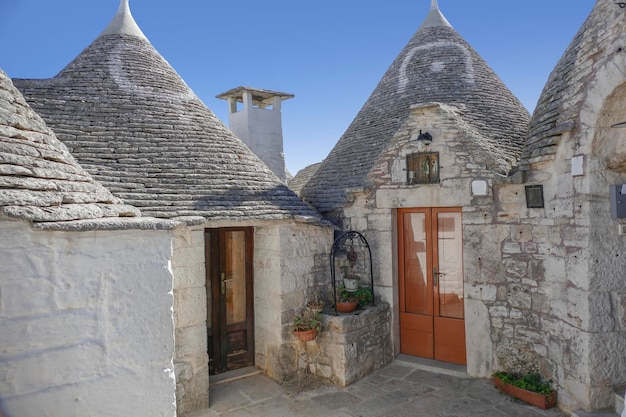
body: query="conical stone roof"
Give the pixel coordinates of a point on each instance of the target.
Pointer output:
(437, 65)
(561, 100)
(39, 180)
(134, 124)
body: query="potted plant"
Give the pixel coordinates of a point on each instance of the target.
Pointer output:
(529, 388)
(307, 324)
(346, 301)
(316, 302)
(364, 296)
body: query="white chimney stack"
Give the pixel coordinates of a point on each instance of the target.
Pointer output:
(259, 123)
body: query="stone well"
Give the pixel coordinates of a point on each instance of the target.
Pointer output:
(349, 346)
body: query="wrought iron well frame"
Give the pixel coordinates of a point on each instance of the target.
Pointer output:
(337, 245)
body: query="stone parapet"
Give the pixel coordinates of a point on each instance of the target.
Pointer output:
(350, 346)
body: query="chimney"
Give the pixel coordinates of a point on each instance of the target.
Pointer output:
(259, 123)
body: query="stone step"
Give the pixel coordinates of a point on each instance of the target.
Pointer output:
(619, 406)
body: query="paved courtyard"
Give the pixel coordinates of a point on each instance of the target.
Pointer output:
(398, 390)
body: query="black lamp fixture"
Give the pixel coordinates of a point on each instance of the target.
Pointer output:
(422, 166)
(621, 4)
(425, 138)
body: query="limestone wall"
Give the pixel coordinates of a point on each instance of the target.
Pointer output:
(290, 260)
(190, 318)
(374, 215)
(86, 323)
(350, 346)
(579, 311)
(544, 288)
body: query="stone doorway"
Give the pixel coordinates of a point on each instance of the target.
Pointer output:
(430, 278)
(230, 325)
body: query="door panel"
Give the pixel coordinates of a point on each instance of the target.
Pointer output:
(418, 301)
(450, 340)
(229, 276)
(416, 332)
(450, 254)
(234, 279)
(431, 283)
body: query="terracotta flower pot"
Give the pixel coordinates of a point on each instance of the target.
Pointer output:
(316, 308)
(306, 335)
(346, 307)
(543, 401)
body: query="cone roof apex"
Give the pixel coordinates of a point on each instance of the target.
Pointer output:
(123, 23)
(435, 17)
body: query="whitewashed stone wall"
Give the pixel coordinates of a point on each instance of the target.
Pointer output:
(190, 319)
(86, 322)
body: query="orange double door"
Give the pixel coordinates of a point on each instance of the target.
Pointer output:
(430, 251)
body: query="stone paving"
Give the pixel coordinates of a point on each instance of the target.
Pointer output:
(397, 390)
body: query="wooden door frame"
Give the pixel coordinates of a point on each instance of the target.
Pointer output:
(215, 252)
(433, 307)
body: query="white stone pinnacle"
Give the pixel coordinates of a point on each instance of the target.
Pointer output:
(123, 23)
(435, 17)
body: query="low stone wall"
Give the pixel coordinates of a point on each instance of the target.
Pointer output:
(349, 346)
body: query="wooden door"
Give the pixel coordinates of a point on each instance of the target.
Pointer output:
(229, 298)
(430, 251)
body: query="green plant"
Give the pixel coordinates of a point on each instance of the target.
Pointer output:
(364, 295)
(345, 296)
(530, 382)
(307, 320)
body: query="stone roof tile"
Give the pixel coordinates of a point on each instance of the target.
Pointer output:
(133, 123)
(40, 181)
(562, 98)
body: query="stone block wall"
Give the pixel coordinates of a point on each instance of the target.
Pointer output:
(543, 287)
(290, 259)
(86, 322)
(350, 346)
(190, 318)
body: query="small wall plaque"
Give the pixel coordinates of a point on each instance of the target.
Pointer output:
(534, 196)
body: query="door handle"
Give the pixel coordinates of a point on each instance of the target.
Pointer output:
(436, 276)
(224, 281)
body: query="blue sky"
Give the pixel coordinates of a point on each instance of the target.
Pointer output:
(329, 53)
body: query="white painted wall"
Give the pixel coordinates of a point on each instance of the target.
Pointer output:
(261, 130)
(85, 323)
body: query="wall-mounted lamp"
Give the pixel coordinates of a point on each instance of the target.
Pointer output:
(425, 138)
(621, 4)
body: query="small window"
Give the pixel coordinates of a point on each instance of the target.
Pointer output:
(423, 168)
(534, 196)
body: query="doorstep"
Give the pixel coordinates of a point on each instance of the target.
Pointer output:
(233, 375)
(431, 365)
